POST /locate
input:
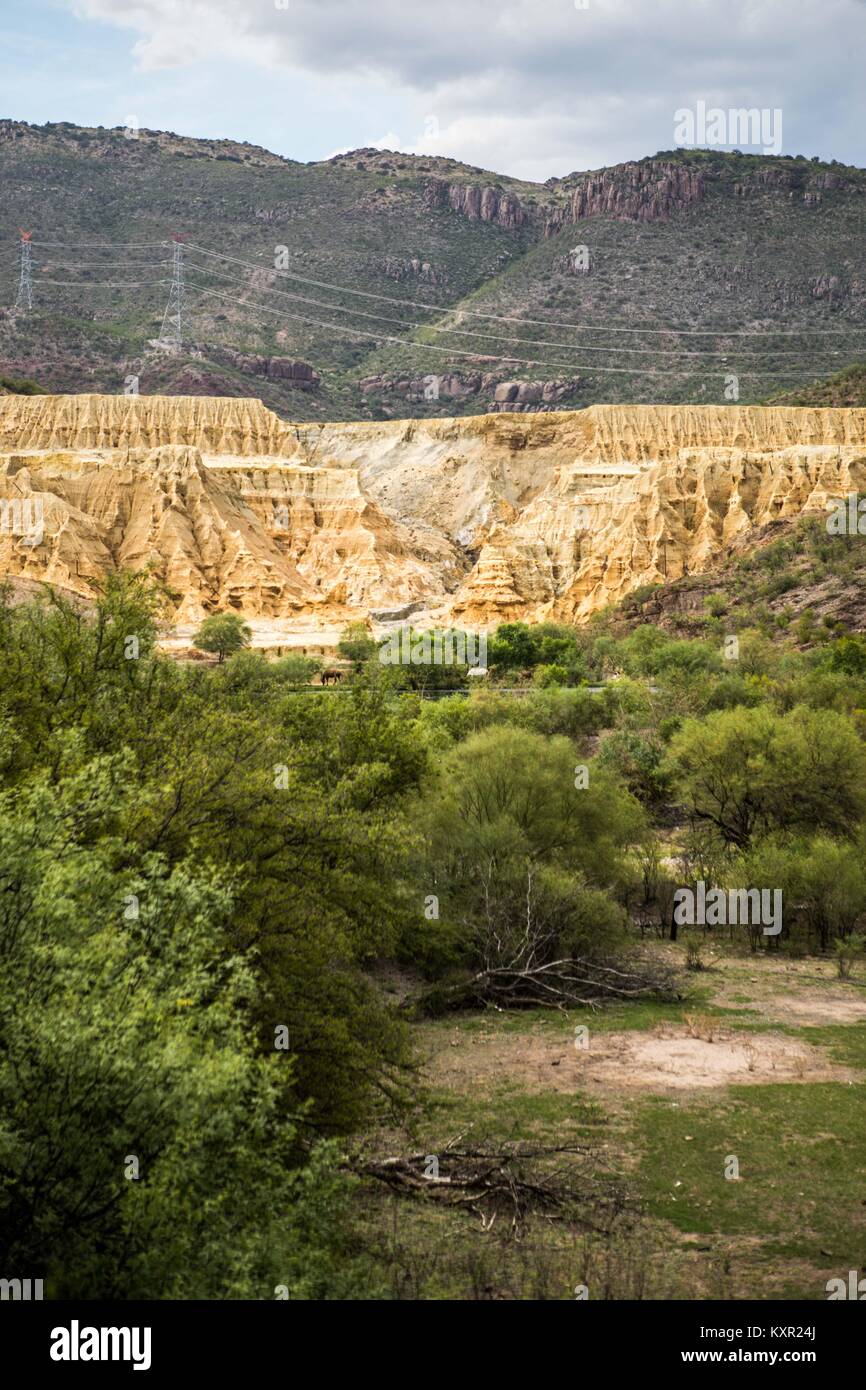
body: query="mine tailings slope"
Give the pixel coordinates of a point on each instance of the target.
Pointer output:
(472, 520)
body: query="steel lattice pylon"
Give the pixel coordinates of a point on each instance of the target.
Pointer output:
(172, 319)
(24, 297)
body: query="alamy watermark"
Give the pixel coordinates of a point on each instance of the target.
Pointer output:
(20, 1290)
(718, 907)
(854, 1289)
(77, 1343)
(737, 127)
(846, 516)
(447, 647)
(22, 516)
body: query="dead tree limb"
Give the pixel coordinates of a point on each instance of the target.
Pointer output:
(558, 984)
(516, 1180)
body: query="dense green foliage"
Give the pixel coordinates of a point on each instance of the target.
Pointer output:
(843, 390)
(192, 871)
(146, 1143)
(20, 386)
(204, 868)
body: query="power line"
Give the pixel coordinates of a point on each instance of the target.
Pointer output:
(103, 246)
(106, 265)
(519, 342)
(174, 324)
(439, 309)
(511, 318)
(104, 284)
(474, 313)
(456, 352)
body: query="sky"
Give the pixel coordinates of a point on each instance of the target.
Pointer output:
(531, 88)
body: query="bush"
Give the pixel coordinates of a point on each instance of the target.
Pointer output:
(694, 955)
(223, 634)
(296, 669)
(356, 644)
(547, 676)
(848, 950)
(750, 771)
(639, 763)
(518, 844)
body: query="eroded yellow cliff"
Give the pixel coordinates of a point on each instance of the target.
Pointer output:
(469, 520)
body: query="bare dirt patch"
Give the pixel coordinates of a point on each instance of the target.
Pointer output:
(674, 1061)
(668, 1059)
(828, 1008)
(802, 993)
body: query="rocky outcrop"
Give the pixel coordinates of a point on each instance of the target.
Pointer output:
(299, 374)
(501, 395)
(687, 512)
(648, 191)
(657, 493)
(217, 425)
(474, 520)
(532, 395)
(159, 508)
(413, 268)
(479, 202)
(271, 540)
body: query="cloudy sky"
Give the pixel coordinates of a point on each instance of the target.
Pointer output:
(532, 88)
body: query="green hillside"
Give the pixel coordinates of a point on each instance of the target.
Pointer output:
(844, 389)
(400, 267)
(791, 581)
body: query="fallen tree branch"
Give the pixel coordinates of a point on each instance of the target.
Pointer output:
(514, 1179)
(557, 984)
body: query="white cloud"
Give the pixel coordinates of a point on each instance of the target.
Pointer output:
(389, 141)
(536, 87)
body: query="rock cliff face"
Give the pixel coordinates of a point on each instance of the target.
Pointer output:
(300, 374)
(478, 202)
(149, 507)
(641, 192)
(219, 425)
(473, 521)
(516, 396)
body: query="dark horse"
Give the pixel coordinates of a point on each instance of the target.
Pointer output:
(332, 676)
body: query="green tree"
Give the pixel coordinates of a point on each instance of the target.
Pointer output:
(514, 646)
(638, 761)
(296, 669)
(425, 673)
(299, 797)
(519, 832)
(751, 771)
(356, 644)
(848, 655)
(224, 634)
(548, 676)
(823, 882)
(147, 1147)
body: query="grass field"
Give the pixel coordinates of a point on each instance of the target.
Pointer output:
(722, 1145)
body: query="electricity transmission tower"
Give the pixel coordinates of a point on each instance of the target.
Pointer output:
(172, 319)
(24, 297)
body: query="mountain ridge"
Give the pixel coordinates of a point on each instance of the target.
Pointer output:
(420, 286)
